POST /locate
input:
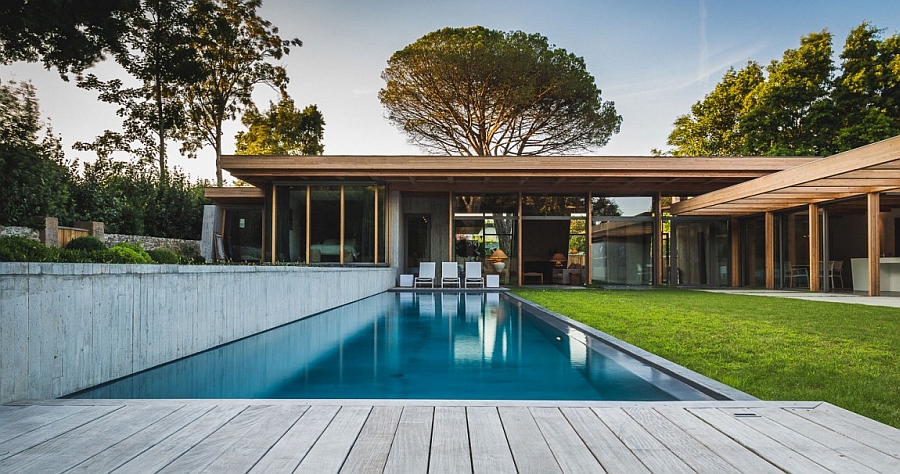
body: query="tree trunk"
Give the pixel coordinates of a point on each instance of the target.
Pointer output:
(163, 171)
(219, 155)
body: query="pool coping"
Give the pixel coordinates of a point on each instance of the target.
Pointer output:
(706, 385)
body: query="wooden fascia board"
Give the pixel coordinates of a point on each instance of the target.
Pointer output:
(876, 154)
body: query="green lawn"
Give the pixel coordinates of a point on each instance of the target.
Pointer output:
(771, 348)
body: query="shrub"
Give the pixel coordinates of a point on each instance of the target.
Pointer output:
(88, 243)
(14, 248)
(129, 253)
(164, 256)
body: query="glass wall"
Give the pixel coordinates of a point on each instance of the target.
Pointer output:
(554, 239)
(753, 252)
(484, 224)
(703, 253)
(344, 224)
(621, 251)
(243, 235)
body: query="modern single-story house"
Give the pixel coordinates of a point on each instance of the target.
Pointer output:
(768, 222)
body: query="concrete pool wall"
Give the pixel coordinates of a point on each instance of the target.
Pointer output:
(66, 327)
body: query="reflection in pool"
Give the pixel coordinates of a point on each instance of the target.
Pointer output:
(434, 345)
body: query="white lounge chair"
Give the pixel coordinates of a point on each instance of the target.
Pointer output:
(449, 274)
(473, 275)
(426, 275)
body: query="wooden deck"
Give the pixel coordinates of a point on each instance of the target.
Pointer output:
(454, 437)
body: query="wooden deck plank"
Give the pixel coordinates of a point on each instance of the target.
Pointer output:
(773, 451)
(840, 443)
(694, 453)
(410, 451)
(331, 449)
(204, 453)
(738, 456)
(166, 451)
(812, 449)
(244, 454)
(487, 441)
(16, 421)
(48, 431)
(132, 446)
(644, 445)
(450, 442)
(287, 453)
(868, 432)
(570, 451)
(370, 452)
(613, 455)
(529, 449)
(74, 446)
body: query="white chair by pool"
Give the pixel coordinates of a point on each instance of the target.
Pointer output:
(449, 274)
(426, 275)
(473, 275)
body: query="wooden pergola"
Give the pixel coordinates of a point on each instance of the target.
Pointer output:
(866, 171)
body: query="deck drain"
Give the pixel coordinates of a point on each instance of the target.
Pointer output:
(745, 415)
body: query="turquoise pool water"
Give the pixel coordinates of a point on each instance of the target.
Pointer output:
(469, 346)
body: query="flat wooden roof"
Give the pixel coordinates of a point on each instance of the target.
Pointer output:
(868, 169)
(605, 175)
(236, 195)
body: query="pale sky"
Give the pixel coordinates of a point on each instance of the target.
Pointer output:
(653, 58)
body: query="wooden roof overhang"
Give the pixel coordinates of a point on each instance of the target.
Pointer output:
(606, 175)
(868, 169)
(236, 196)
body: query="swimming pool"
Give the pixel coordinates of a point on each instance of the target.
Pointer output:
(431, 345)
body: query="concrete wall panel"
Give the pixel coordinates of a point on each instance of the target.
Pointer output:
(66, 327)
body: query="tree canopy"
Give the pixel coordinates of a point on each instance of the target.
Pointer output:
(282, 130)
(69, 35)
(160, 56)
(476, 91)
(802, 104)
(235, 47)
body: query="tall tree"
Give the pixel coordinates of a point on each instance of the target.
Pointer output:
(867, 91)
(235, 46)
(475, 91)
(282, 130)
(160, 56)
(35, 180)
(69, 35)
(713, 126)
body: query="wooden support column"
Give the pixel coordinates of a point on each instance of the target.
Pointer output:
(770, 251)
(520, 280)
(657, 240)
(735, 252)
(272, 242)
(588, 235)
(874, 207)
(815, 257)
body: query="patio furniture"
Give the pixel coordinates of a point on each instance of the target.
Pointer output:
(426, 275)
(473, 274)
(538, 275)
(794, 273)
(493, 281)
(449, 274)
(835, 272)
(406, 280)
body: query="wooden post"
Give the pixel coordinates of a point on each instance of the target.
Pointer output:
(657, 240)
(815, 257)
(519, 264)
(341, 240)
(874, 207)
(274, 221)
(308, 220)
(735, 252)
(588, 236)
(770, 250)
